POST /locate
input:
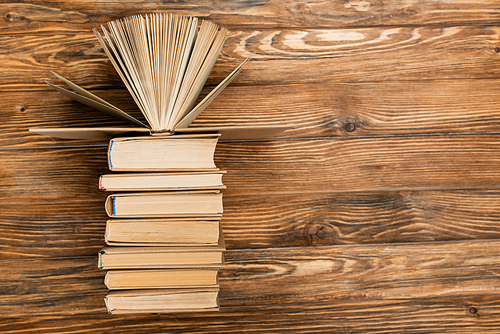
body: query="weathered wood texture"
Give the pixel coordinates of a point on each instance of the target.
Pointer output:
(426, 315)
(375, 109)
(276, 276)
(363, 164)
(69, 285)
(360, 218)
(65, 229)
(76, 16)
(282, 56)
(396, 140)
(75, 229)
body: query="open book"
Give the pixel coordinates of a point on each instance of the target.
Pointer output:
(164, 61)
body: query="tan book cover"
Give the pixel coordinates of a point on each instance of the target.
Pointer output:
(163, 153)
(163, 232)
(165, 204)
(161, 181)
(226, 132)
(162, 301)
(156, 257)
(161, 278)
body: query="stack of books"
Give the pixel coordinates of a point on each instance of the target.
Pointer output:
(165, 245)
(164, 240)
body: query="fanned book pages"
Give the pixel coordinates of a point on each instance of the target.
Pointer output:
(164, 60)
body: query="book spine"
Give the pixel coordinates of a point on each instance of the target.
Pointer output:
(101, 187)
(110, 163)
(100, 263)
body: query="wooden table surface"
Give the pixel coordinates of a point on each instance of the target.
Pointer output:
(379, 212)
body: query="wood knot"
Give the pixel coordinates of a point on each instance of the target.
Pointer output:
(350, 127)
(315, 233)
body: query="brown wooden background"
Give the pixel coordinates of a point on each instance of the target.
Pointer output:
(379, 211)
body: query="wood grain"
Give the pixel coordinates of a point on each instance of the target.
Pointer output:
(379, 230)
(388, 108)
(375, 109)
(428, 315)
(76, 16)
(276, 277)
(75, 229)
(361, 164)
(277, 167)
(68, 285)
(25, 110)
(52, 230)
(282, 56)
(52, 175)
(360, 218)
(363, 273)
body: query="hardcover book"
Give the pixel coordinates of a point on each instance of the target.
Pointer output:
(162, 300)
(172, 153)
(161, 278)
(163, 232)
(161, 181)
(165, 204)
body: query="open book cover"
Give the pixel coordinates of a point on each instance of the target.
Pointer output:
(164, 61)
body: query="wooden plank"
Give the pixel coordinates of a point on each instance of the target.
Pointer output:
(277, 167)
(52, 230)
(444, 315)
(52, 175)
(51, 286)
(388, 108)
(25, 110)
(316, 110)
(276, 277)
(262, 221)
(361, 164)
(76, 16)
(282, 56)
(360, 272)
(360, 218)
